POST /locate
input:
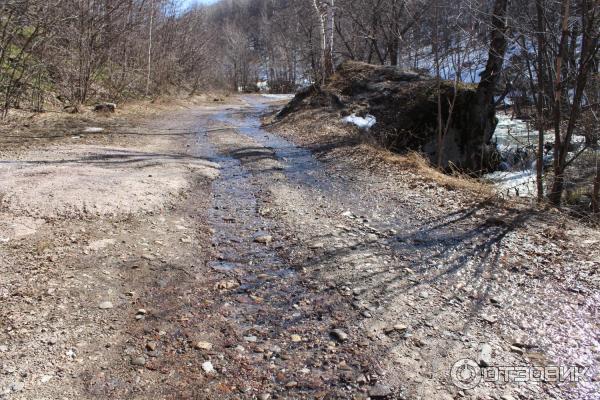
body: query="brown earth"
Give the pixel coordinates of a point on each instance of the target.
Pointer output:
(183, 252)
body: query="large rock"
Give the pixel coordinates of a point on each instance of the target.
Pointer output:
(405, 106)
(105, 107)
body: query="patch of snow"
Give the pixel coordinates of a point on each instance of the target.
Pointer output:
(363, 123)
(279, 96)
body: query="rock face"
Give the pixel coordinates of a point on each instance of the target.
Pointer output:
(405, 106)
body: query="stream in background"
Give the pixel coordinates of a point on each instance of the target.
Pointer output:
(516, 142)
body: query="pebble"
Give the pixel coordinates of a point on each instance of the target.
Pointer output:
(227, 285)
(348, 214)
(339, 335)
(203, 346)
(251, 339)
(490, 319)
(263, 239)
(52, 341)
(46, 378)
(296, 338)
(151, 346)
(105, 305)
(139, 361)
(3, 349)
(380, 390)
(485, 355)
(9, 369)
(264, 396)
(208, 367)
(424, 295)
(17, 386)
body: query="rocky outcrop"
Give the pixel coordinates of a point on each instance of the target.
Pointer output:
(105, 107)
(405, 106)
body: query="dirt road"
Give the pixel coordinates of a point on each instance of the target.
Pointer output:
(195, 255)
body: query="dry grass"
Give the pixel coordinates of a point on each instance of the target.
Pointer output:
(315, 129)
(417, 163)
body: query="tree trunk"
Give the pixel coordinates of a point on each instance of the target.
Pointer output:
(149, 70)
(558, 184)
(541, 76)
(589, 47)
(326, 13)
(596, 191)
(483, 113)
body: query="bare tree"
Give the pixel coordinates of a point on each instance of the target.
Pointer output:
(326, 12)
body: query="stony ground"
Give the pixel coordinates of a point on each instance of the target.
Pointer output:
(194, 255)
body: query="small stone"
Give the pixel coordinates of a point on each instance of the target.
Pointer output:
(517, 350)
(141, 311)
(227, 285)
(251, 339)
(507, 397)
(424, 295)
(400, 328)
(46, 378)
(380, 391)
(105, 305)
(3, 349)
(522, 343)
(9, 369)
(339, 335)
(151, 346)
(203, 346)
(154, 353)
(17, 386)
(264, 396)
(263, 239)
(139, 361)
(291, 384)
(490, 319)
(208, 367)
(52, 341)
(485, 355)
(296, 338)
